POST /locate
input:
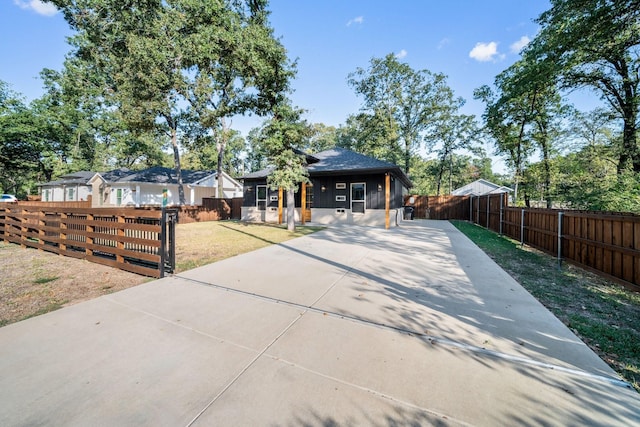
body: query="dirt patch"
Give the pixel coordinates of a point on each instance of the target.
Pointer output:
(34, 282)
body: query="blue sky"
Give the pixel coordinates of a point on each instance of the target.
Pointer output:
(470, 41)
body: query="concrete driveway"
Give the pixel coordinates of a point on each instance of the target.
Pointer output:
(348, 326)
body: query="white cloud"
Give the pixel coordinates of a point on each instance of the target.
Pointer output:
(401, 54)
(357, 20)
(444, 43)
(485, 52)
(516, 47)
(46, 9)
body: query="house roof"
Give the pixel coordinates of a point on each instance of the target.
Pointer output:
(480, 187)
(162, 175)
(155, 175)
(74, 178)
(338, 161)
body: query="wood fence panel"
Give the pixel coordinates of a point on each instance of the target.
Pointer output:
(125, 238)
(439, 207)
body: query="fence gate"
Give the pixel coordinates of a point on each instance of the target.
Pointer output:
(168, 241)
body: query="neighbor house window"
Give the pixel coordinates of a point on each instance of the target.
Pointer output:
(119, 196)
(46, 195)
(70, 194)
(358, 197)
(261, 197)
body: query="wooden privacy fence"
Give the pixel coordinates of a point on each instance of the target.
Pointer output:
(141, 241)
(211, 210)
(607, 243)
(604, 242)
(439, 207)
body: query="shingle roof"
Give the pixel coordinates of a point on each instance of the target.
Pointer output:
(161, 175)
(80, 177)
(339, 161)
(480, 187)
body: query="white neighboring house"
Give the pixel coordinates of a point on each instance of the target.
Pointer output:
(72, 187)
(480, 187)
(123, 187)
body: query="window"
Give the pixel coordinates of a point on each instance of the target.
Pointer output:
(70, 194)
(119, 196)
(46, 195)
(261, 197)
(358, 191)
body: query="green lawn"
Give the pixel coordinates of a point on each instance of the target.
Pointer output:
(201, 243)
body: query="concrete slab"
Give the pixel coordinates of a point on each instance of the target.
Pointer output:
(482, 389)
(438, 283)
(348, 326)
(100, 363)
(226, 315)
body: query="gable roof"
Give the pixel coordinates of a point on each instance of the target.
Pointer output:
(338, 161)
(155, 175)
(162, 175)
(480, 187)
(74, 178)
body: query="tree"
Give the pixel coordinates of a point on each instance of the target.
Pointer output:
(399, 102)
(595, 44)
(371, 135)
(323, 137)
(282, 137)
(21, 136)
(237, 63)
(168, 63)
(525, 112)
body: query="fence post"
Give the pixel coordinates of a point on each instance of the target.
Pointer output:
(501, 212)
(478, 211)
(560, 215)
(488, 204)
(522, 228)
(471, 208)
(163, 238)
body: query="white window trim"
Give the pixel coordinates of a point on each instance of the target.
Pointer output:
(364, 200)
(266, 197)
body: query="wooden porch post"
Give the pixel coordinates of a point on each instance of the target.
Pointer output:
(387, 196)
(280, 205)
(303, 202)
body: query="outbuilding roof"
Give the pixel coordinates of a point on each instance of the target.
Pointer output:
(480, 187)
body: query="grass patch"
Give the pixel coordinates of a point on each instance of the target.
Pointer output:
(201, 243)
(43, 280)
(602, 313)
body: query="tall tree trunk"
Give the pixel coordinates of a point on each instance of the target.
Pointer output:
(220, 146)
(291, 210)
(176, 158)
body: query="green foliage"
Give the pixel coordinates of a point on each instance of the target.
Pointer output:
(595, 44)
(281, 138)
(23, 147)
(460, 170)
(400, 106)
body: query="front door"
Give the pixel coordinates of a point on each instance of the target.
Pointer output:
(308, 202)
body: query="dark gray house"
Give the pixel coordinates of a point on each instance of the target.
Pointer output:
(346, 188)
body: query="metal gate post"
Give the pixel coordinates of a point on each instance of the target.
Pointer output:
(501, 212)
(522, 228)
(470, 208)
(488, 204)
(163, 238)
(172, 241)
(560, 215)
